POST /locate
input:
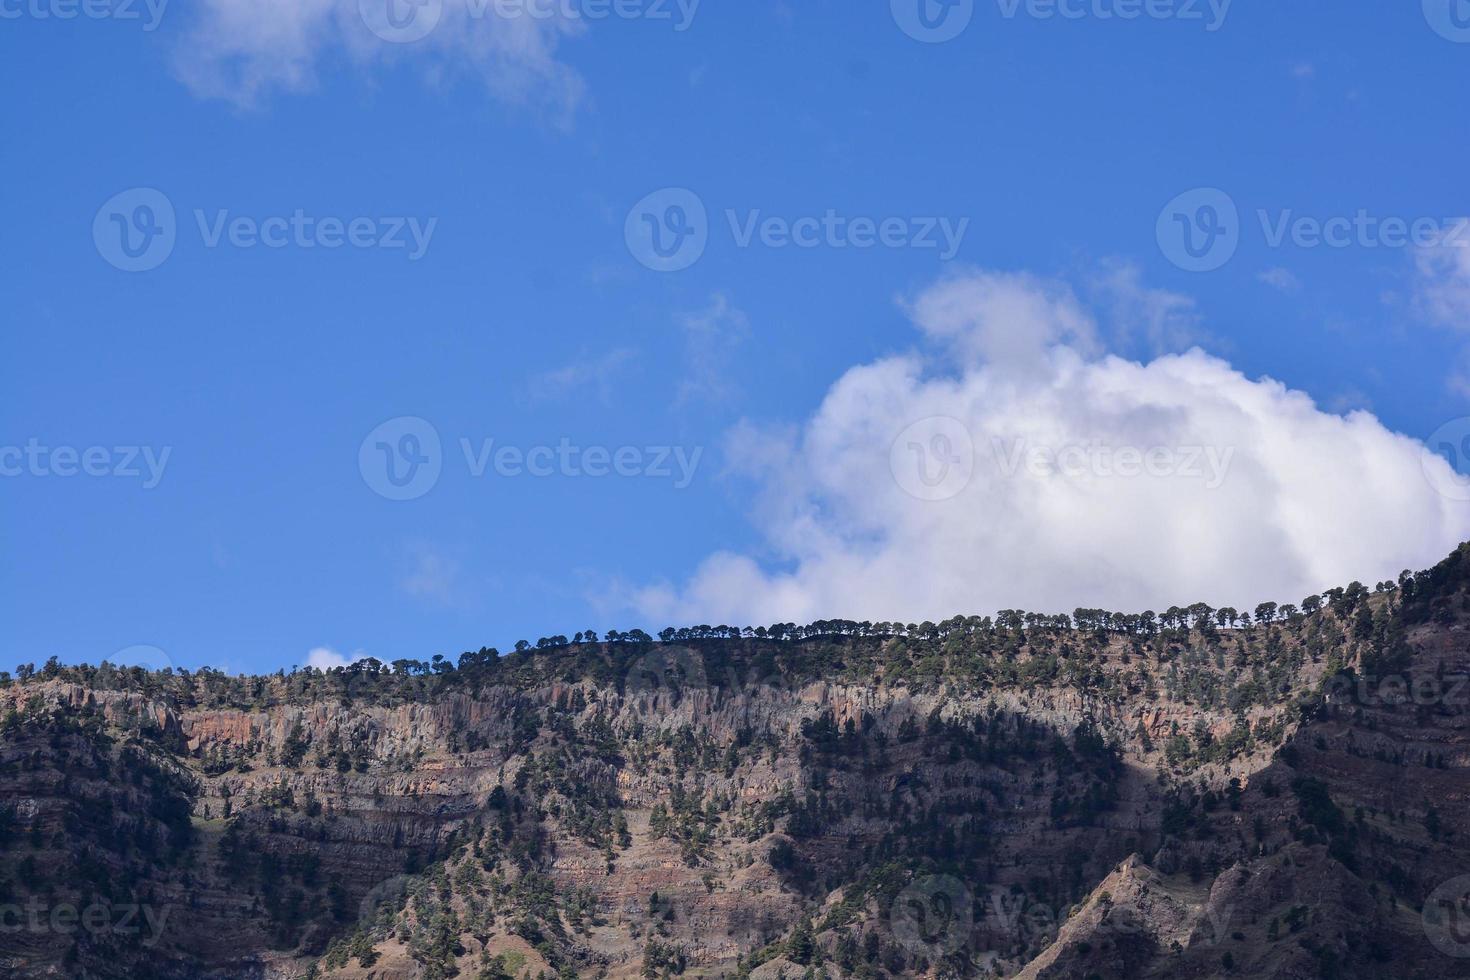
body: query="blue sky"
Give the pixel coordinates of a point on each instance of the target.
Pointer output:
(528, 318)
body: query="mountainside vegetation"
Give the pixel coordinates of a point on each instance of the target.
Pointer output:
(1202, 792)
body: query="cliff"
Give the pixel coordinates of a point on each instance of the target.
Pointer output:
(1194, 795)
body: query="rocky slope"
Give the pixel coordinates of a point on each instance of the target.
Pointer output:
(1196, 794)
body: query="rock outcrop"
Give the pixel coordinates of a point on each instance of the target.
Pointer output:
(1186, 797)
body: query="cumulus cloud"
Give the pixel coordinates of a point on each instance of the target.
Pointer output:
(325, 658)
(1020, 467)
(1442, 292)
(1165, 321)
(1280, 278)
(1442, 282)
(711, 337)
(243, 51)
(976, 318)
(434, 577)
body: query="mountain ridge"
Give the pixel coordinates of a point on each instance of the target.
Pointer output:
(1045, 796)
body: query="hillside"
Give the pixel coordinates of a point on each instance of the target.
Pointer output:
(1201, 793)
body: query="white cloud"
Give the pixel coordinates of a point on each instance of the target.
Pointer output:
(325, 658)
(711, 337)
(595, 373)
(1280, 278)
(434, 577)
(976, 316)
(245, 50)
(1442, 281)
(1288, 499)
(1167, 321)
(1441, 292)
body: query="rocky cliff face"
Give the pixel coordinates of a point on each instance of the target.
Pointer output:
(1097, 797)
